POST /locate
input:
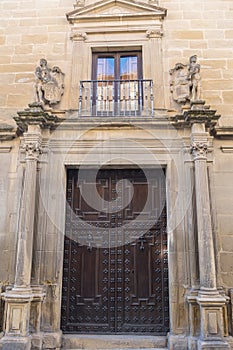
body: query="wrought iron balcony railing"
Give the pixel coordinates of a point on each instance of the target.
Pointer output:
(116, 98)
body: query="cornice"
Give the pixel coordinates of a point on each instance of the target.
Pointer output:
(223, 132)
(93, 11)
(35, 115)
(7, 132)
(198, 113)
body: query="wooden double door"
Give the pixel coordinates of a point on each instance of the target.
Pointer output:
(115, 275)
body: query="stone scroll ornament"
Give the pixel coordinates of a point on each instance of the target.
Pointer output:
(185, 84)
(49, 84)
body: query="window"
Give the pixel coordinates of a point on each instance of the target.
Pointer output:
(117, 76)
(117, 87)
(117, 66)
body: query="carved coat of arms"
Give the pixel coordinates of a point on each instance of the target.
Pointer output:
(185, 84)
(49, 86)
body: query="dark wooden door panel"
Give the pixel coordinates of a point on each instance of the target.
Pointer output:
(120, 283)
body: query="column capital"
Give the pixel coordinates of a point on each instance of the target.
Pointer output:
(76, 35)
(199, 147)
(32, 146)
(154, 34)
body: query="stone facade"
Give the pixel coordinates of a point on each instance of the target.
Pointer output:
(42, 134)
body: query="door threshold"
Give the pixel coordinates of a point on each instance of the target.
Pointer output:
(116, 342)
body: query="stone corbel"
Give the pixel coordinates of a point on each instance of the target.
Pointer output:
(77, 36)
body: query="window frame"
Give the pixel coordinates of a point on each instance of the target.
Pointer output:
(117, 55)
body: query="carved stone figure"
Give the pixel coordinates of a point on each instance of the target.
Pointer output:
(195, 78)
(49, 85)
(185, 84)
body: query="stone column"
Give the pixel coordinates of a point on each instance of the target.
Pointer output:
(211, 303)
(18, 299)
(207, 304)
(199, 149)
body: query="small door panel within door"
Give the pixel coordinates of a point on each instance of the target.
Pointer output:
(115, 276)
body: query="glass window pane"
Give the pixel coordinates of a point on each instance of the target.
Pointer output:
(129, 67)
(105, 68)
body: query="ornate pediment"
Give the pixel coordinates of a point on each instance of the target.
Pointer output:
(113, 9)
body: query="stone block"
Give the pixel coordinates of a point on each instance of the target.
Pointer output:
(227, 243)
(228, 96)
(227, 279)
(216, 85)
(214, 345)
(2, 39)
(51, 340)
(203, 23)
(202, 44)
(34, 38)
(23, 49)
(214, 64)
(5, 59)
(15, 343)
(188, 34)
(13, 68)
(226, 260)
(229, 33)
(13, 39)
(227, 74)
(19, 100)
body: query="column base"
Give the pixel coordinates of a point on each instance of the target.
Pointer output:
(52, 340)
(37, 341)
(177, 342)
(216, 345)
(15, 343)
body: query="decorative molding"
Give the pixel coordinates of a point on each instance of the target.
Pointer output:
(32, 146)
(151, 34)
(198, 113)
(77, 36)
(227, 149)
(115, 9)
(7, 132)
(5, 149)
(36, 115)
(223, 132)
(199, 149)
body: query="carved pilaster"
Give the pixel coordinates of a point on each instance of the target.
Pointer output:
(77, 36)
(78, 57)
